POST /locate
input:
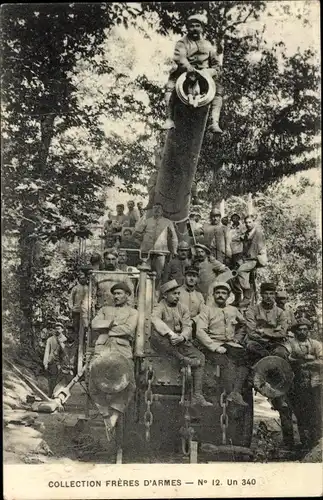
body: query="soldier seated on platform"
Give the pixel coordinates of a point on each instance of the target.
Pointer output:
(216, 330)
(111, 372)
(171, 334)
(189, 296)
(266, 327)
(305, 397)
(194, 52)
(175, 269)
(281, 301)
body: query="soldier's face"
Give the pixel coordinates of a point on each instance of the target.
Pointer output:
(220, 296)
(172, 297)
(119, 210)
(268, 297)
(122, 257)
(157, 210)
(191, 279)
(82, 279)
(200, 254)
(120, 297)
(182, 254)
(250, 223)
(131, 205)
(110, 262)
(302, 332)
(235, 220)
(195, 29)
(281, 302)
(215, 219)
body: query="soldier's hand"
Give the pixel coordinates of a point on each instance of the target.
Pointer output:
(177, 339)
(221, 350)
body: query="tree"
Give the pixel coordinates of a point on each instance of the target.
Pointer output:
(41, 45)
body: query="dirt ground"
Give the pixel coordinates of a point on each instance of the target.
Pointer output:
(31, 437)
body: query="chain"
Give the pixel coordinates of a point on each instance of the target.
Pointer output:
(224, 420)
(186, 431)
(149, 397)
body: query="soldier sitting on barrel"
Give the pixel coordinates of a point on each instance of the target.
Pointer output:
(216, 330)
(306, 358)
(192, 53)
(111, 372)
(172, 333)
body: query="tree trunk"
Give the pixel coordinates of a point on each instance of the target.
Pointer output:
(28, 244)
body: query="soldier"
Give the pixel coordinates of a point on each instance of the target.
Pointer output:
(281, 301)
(96, 262)
(194, 52)
(53, 356)
(119, 219)
(216, 331)
(111, 373)
(196, 225)
(140, 208)
(157, 235)
(254, 255)
(76, 298)
(132, 217)
(306, 358)
(215, 236)
(266, 325)
(235, 237)
(175, 269)
(103, 283)
(172, 334)
(207, 268)
(189, 296)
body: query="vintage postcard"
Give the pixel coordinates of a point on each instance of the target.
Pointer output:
(162, 308)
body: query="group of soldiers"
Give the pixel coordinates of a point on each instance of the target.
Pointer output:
(197, 317)
(203, 308)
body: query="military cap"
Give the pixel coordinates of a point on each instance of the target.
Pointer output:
(170, 285)
(204, 247)
(58, 323)
(201, 18)
(215, 211)
(221, 284)
(235, 214)
(191, 270)
(302, 321)
(121, 286)
(183, 245)
(267, 287)
(281, 294)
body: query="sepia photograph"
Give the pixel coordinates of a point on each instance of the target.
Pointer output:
(161, 249)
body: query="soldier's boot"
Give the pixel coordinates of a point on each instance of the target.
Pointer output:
(198, 399)
(240, 376)
(246, 298)
(169, 123)
(215, 115)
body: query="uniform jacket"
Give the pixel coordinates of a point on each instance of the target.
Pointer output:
(77, 296)
(192, 299)
(268, 320)
(167, 318)
(235, 236)
(200, 54)
(157, 234)
(118, 322)
(131, 218)
(216, 325)
(207, 273)
(53, 350)
(174, 270)
(253, 244)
